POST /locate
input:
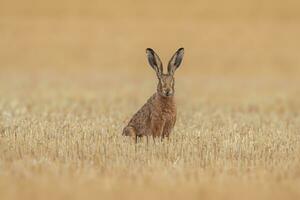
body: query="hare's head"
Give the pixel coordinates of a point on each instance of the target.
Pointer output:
(166, 82)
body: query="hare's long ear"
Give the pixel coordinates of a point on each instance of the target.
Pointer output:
(154, 61)
(175, 61)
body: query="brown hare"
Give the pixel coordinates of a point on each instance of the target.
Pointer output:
(157, 117)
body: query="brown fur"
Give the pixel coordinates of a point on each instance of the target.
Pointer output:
(157, 117)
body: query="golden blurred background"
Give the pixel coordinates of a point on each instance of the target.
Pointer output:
(250, 36)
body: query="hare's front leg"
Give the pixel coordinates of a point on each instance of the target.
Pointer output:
(157, 126)
(169, 125)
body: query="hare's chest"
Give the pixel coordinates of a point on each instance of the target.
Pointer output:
(168, 114)
(163, 115)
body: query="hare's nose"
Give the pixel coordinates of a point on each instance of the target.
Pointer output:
(168, 91)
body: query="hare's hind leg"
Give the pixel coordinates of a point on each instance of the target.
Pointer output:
(130, 131)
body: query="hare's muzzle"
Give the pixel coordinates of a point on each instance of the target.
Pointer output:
(168, 92)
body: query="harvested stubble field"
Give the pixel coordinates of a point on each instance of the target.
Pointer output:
(70, 81)
(61, 138)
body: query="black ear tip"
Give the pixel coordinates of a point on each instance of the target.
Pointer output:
(181, 49)
(149, 50)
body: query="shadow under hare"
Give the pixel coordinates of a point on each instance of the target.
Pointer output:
(157, 116)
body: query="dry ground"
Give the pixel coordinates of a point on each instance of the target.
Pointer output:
(72, 75)
(61, 137)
